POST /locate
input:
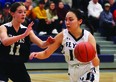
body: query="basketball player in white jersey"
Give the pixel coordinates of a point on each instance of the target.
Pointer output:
(68, 38)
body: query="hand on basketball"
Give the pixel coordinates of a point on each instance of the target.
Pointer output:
(50, 40)
(29, 28)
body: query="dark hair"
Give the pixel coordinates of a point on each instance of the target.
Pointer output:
(15, 5)
(81, 15)
(77, 12)
(41, 2)
(13, 8)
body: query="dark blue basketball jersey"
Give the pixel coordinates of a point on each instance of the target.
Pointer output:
(18, 51)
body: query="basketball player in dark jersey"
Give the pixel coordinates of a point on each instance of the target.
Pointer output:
(15, 41)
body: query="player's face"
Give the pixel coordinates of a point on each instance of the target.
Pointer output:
(20, 14)
(72, 21)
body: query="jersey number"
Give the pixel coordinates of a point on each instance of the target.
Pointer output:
(71, 54)
(17, 50)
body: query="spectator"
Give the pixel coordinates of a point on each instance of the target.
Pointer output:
(29, 7)
(106, 22)
(6, 12)
(52, 21)
(40, 13)
(113, 5)
(94, 10)
(61, 12)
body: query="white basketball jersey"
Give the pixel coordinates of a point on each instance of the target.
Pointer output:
(69, 42)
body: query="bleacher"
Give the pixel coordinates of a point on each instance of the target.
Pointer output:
(114, 39)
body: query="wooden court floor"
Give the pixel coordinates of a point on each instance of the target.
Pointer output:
(61, 76)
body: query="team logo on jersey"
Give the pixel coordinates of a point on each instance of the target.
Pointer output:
(70, 44)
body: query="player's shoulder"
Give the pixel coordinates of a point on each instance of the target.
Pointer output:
(8, 24)
(65, 31)
(5, 25)
(86, 31)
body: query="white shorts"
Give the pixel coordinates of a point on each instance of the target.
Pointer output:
(83, 73)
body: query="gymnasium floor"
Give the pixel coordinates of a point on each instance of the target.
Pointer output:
(53, 72)
(61, 75)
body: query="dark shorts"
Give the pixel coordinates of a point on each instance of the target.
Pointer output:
(15, 71)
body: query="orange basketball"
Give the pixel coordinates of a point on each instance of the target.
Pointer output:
(84, 52)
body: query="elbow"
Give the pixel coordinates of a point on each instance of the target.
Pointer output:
(5, 43)
(43, 47)
(96, 61)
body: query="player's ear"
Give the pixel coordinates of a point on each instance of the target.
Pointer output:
(12, 14)
(80, 21)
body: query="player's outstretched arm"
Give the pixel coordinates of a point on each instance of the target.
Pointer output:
(96, 60)
(50, 50)
(6, 40)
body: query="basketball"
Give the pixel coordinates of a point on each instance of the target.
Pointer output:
(84, 52)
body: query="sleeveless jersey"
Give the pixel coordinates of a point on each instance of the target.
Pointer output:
(69, 42)
(18, 51)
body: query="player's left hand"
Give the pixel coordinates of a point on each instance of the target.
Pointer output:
(29, 28)
(32, 55)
